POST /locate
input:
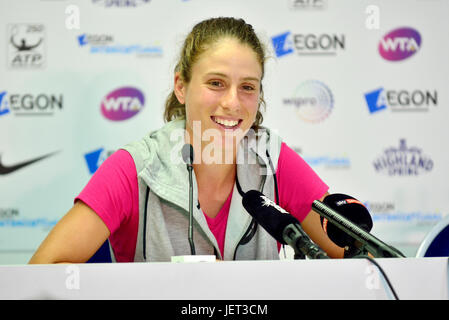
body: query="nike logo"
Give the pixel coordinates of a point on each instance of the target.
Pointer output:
(11, 168)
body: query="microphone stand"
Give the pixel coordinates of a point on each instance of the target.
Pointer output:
(301, 243)
(355, 250)
(192, 245)
(378, 248)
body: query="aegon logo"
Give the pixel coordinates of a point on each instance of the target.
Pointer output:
(41, 104)
(401, 100)
(95, 39)
(308, 44)
(122, 104)
(399, 44)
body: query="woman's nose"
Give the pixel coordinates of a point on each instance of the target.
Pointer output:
(231, 99)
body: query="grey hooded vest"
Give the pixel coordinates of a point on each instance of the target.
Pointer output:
(164, 198)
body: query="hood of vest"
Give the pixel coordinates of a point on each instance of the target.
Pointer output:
(166, 174)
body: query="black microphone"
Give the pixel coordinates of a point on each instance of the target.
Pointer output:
(281, 225)
(357, 213)
(187, 154)
(187, 157)
(350, 226)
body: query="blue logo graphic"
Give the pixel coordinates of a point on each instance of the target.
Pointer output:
(3, 104)
(282, 44)
(330, 162)
(416, 100)
(92, 160)
(376, 100)
(308, 44)
(95, 158)
(105, 44)
(82, 40)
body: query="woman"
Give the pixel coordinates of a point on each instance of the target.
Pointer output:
(138, 198)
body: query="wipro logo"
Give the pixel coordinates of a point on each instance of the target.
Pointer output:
(313, 101)
(399, 44)
(122, 103)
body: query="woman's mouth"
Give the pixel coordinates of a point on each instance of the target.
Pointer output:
(227, 123)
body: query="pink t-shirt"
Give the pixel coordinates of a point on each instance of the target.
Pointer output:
(113, 194)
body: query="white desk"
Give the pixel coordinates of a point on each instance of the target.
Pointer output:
(412, 278)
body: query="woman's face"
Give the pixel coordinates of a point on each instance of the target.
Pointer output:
(222, 97)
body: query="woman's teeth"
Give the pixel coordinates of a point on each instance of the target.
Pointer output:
(227, 123)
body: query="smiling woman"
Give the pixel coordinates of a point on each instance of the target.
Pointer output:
(223, 93)
(205, 35)
(139, 197)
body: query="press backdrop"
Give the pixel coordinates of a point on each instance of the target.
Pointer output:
(358, 88)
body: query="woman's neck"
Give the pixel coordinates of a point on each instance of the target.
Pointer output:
(214, 167)
(215, 176)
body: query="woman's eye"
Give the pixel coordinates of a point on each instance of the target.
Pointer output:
(248, 88)
(215, 83)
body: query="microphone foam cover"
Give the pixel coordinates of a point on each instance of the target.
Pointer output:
(187, 153)
(351, 209)
(271, 217)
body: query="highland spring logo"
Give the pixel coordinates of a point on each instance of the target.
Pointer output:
(403, 161)
(122, 103)
(399, 44)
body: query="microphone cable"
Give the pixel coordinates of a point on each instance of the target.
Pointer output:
(360, 256)
(382, 272)
(276, 190)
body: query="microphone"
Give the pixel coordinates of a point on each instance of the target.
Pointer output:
(353, 210)
(187, 154)
(187, 157)
(281, 225)
(350, 226)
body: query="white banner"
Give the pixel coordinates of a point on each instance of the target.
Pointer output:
(357, 88)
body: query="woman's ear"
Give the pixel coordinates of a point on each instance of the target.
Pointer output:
(179, 88)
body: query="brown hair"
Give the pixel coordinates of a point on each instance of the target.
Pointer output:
(202, 36)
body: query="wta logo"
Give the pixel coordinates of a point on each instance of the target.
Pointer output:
(122, 103)
(399, 44)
